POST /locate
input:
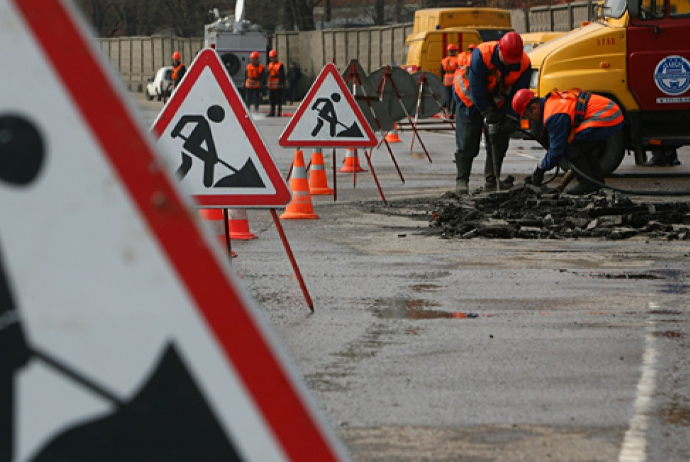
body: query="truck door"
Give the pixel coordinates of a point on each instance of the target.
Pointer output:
(659, 55)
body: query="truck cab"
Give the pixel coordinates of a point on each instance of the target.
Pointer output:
(637, 53)
(436, 28)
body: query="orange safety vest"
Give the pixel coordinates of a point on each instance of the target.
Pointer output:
(254, 76)
(464, 58)
(274, 75)
(449, 64)
(599, 111)
(176, 70)
(497, 85)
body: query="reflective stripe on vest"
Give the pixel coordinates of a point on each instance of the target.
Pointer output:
(274, 75)
(450, 64)
(254, 76)
(497, 86)
(599, 111)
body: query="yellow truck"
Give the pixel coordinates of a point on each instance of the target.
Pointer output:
(435, 28)
(532, 40)
(637, 53)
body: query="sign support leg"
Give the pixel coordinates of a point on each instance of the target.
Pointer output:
(335, 188)
(373, 174)
(283, 238)
(226, 227)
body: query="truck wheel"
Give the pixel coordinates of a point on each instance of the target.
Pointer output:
(613, 154)
(231, 63)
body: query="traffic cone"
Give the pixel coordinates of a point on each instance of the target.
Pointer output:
(239, 225)
(351, 162)
(300, 207)
(318, 183)
(214, 219)
(392, 136)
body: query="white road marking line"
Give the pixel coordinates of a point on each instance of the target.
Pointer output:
(634, 446)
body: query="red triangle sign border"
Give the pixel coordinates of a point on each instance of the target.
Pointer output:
(329, 69)
(208, 59)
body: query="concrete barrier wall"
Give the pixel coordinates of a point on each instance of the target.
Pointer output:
(137, 58)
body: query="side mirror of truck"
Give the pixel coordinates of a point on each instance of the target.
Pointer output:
(634, 8)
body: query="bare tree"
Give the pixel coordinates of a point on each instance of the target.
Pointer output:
(184, 18)
(379, 12)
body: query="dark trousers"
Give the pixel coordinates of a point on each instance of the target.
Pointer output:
(450, 100)
(292, 92)
(252, 96)
(468, 136)
(275, 98)
(584, 155)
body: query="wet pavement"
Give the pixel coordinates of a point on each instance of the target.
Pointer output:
(424, 348)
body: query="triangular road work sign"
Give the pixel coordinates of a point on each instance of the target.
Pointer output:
(212, 144)
(328, 117)
(123, 333)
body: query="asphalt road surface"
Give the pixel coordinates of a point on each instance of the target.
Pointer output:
(430, 349)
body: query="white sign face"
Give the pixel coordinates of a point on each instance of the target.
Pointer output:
(123, 334)
(212, 144)
(328, 117)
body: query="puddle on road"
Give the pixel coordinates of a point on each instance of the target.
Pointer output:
(623, 275)
(425, 287)
(400, 308)
(670, 334)
(666, 312)
(677, 415)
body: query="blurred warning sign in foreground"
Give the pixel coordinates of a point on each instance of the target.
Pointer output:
(123, 336)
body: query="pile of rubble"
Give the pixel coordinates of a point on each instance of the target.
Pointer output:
(531, 213)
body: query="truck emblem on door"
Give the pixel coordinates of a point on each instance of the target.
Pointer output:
(672, 75)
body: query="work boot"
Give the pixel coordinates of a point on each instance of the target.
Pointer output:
(462, 180)
(663, 158)
(490, 178)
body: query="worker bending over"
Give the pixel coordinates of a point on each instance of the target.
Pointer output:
(577, 124)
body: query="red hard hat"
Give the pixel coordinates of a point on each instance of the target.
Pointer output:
(511, 47)
(254, 55)
(272, 54)
(452, 47)
(471, 46)
(176, 55)
(521, 100)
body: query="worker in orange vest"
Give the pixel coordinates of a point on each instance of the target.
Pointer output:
(179, 69)
(254, 80)
(448, 66)
(485, 88)
(464, 57)
(276, 83)
(578, 124)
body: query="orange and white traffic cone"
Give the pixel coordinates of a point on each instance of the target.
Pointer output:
(214, 221)
(392, 136)
(300, 207)
(239, 225)
(351, 162)
(318, 183)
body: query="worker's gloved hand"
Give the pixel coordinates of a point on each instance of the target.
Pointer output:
(538, 176)
(491, 116)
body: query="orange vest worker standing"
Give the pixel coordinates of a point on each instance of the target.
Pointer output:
(255, 76)
(448, 66)
(492, 75)
(276, 83)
